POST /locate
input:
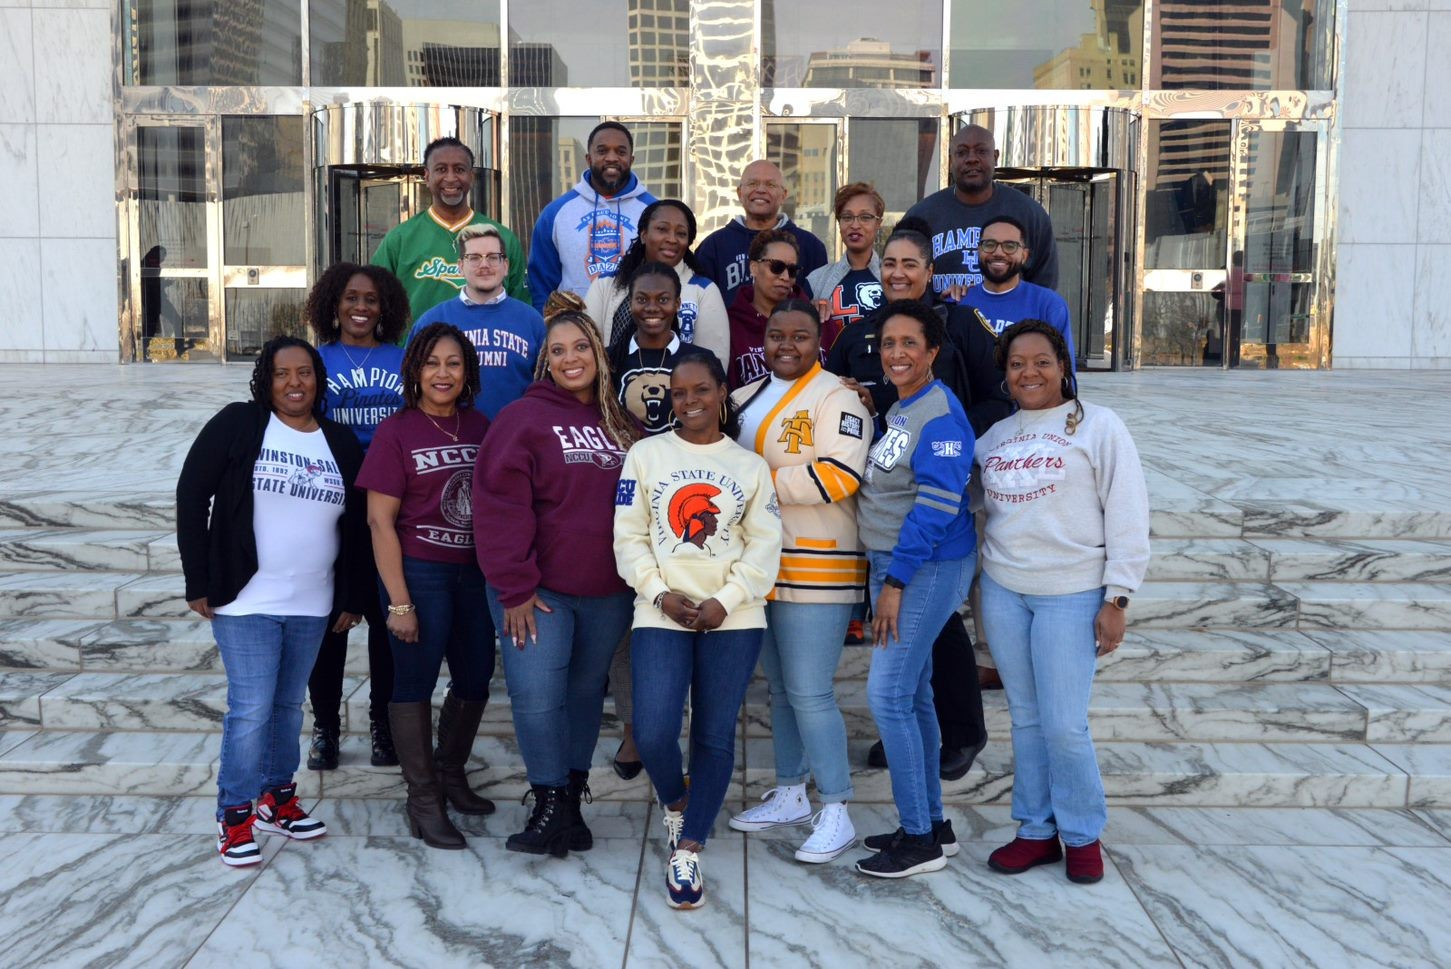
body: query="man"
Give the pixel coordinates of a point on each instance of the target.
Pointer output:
(581, 235)
(957, 215)
(508, 333)
(421, 251)
(1005, 297)
(722, 255)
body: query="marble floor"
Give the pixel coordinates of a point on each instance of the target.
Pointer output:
(104, 882)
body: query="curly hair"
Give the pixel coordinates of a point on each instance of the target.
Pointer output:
(731, 426)
(261, 384)
(619, 425)
(634, 256)
(417, 354)
(767, 236)
(934, 331)
(1055, 340)
(321, 311)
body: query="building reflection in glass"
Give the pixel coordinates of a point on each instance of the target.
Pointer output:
(853, 43)
(1047, 44)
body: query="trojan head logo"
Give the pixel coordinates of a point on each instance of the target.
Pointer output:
(693, 514)
(646, 394)
(796, 431)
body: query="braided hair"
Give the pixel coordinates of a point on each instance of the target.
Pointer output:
(1055, 339)
(634, 256)
(261, 384)
(417, 355)
(618, 424)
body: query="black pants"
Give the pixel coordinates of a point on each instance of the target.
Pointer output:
(955, 689)
(325, 686)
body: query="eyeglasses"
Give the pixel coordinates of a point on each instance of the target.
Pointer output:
(779, 267)
(492, 258)
(991, 246)
(865, 219)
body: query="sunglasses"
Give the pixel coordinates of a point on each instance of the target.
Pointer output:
(780, 267)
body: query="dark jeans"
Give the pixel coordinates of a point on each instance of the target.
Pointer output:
(326, 684)
(955, 687)
(453, 622)
(715, 669)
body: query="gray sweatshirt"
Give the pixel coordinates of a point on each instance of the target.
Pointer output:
(1065, 512)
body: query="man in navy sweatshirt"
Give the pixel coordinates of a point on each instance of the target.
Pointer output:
(507, 333)
(722, 255)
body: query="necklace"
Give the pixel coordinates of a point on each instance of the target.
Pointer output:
(457, 424)
(356, 364)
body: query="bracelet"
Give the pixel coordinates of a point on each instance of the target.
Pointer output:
(401, 610)
(660, 601)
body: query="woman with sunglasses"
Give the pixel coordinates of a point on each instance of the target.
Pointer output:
(775, 261)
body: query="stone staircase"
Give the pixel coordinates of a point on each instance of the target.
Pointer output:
(1275, 658)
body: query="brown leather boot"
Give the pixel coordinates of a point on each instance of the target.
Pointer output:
(452, 754)
(413, 740)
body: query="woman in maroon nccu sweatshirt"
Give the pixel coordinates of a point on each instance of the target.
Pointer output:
(544, 496)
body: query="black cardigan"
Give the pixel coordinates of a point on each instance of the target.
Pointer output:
(219, 557)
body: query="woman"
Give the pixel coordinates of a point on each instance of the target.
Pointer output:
(698, 537)
(966, 367)
(667, 231)
(419, 476)
(642, 351)
(357, 313)
(814, 433)
(543, 511)
(775, 261)
(1066, 544)
(919, 537)
(851, 287)
(280, 552)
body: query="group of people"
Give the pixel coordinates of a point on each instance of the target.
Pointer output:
(644, 479)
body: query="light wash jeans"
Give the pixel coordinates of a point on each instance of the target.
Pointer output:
(557, 683)
(1046, 655)
(899, 685)
(799, 655)
(268, 660)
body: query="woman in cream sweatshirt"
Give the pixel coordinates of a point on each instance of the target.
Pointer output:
(698, 537)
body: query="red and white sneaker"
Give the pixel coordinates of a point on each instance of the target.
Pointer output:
(234, 837)
(279, 813)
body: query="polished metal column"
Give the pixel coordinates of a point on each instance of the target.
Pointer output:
(725, 114)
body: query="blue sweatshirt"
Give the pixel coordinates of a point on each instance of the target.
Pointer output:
(508, 334)
(724, 255)
(913, 498)
(581, 237)
(363, 386)
(1025, 301)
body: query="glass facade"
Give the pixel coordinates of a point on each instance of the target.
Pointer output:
(1185, 150)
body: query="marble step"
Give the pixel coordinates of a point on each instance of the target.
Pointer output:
(88, 509)
(1299, 559)
(64, 549)
(1212, 605)
(1188, 774)
(1367, 605)
(1385, 656)
(75, 595)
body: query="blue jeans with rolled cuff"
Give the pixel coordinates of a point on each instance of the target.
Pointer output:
(453, 622)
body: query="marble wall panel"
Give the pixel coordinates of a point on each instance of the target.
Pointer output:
(77, 182)
(79, 304)
(17, 66)
(1379, 174)
(1437, 109)
(20, 294)
(18, 176)
(1373, 318)
(1431, 316)
(70, 88)
(1385, 65)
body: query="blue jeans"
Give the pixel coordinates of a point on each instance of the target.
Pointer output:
(557, 683)
(799, 654)
(1046, 654)
(268, 660)
(453, 621)
(899, 685)
(715, 669)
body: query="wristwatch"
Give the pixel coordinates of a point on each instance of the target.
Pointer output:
(1121, 602)
(401, 610)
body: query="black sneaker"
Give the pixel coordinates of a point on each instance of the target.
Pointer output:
(906, 855)
(941, 831)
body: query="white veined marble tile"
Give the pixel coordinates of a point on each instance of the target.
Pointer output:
(1207, 826)
(714, 935)
(107, 814)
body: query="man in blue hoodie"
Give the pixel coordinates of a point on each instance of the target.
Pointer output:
(723, 255)
(581, 235)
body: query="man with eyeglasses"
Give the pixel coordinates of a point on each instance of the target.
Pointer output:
(723, 254)
(507, 332)
(420, 251)
(1005, 297)
(957, 215)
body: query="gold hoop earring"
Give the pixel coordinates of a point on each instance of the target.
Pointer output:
(725, 415)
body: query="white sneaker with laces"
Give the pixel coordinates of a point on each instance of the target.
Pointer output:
(674, 823)
(779, 808)
(831, 834)
(684, 885)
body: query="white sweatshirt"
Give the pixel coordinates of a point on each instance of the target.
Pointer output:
(1065, 512)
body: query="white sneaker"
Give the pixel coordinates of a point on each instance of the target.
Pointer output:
(780, 807)
(674, 823)
(831, 834)
(685, 888)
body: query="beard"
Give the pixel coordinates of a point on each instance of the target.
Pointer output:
(997, 279)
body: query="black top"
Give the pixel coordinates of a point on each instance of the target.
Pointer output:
(965, 364)
(219, 552)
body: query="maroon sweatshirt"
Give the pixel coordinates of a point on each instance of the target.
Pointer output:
(544, 498)
(748, 337)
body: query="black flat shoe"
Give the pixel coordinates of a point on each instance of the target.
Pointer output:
(877, 756)
(627, 770)
(957, 761)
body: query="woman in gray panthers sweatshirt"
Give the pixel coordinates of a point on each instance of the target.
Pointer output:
(1066, 542)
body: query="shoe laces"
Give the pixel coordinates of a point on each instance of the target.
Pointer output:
(544, 808)
(235, 834)
(289, 810)
(684, 866)
(674, 823)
